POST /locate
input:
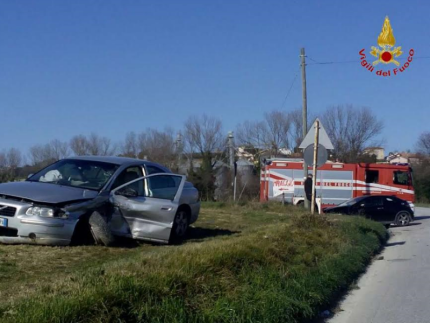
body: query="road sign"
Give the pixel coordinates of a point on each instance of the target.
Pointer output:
(323, 137)
(321, 157)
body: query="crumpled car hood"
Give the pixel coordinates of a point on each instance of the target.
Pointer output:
(46, 193)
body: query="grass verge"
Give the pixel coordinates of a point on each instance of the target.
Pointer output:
(284, 270)
(422, 204)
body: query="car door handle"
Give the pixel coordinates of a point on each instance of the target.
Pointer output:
(166, 208)
(380, 208)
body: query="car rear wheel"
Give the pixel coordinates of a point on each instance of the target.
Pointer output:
(403, 219)
(100, 230)
(180, 226)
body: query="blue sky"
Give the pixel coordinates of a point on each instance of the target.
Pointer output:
(110, 67)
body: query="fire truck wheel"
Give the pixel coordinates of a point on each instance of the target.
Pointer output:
(403, 219)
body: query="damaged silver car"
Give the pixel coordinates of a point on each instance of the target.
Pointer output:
(82, 199)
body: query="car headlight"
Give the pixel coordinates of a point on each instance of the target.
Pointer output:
(41, 211)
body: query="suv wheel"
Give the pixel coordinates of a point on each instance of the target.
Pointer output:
(403, 219)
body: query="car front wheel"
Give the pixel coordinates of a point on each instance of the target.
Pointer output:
(100, 230)
(403, 219)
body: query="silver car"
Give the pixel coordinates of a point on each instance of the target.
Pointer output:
(84, 199)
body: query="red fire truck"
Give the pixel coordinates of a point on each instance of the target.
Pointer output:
(282, 180)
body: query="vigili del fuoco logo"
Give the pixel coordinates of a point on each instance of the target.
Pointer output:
(386, 53)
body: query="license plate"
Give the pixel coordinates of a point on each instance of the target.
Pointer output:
(3, 222)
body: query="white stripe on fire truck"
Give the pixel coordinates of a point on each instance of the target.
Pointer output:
(366, 186)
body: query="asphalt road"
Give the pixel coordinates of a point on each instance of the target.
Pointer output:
(395, 289)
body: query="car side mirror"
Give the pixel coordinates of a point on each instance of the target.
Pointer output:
(362, 205)
(29, 175)
(127, 192)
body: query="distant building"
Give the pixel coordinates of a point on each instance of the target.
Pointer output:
(252, 154)
(403, 158)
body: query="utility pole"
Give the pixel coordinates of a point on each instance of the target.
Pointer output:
(231, 157)
(231, 149)
(305, 113)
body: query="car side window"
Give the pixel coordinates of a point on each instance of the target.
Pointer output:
(373, 202)
(163, 186)
(390, 201)
(153, 170)
(129, 174)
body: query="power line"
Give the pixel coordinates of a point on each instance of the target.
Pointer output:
(289, 90)
(331, 62)
(355, 61)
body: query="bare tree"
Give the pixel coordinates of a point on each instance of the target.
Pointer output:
(296, 129)
(152, 144)
(158, 146)
(59, 149)
(10, 160)
(93, 145)
(79, 145)
(423, 144)
(203, 134)
(44, 154)
(100, 146)
(3, 160)
(130, 147)
(37, 154)
(251, 134)
(278, 127)
(272, 133)
(14, 158)
(351, 130)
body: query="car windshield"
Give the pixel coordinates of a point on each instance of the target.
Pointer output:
(352, 201)
(86, 174)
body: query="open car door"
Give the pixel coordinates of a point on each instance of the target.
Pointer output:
(145, 208)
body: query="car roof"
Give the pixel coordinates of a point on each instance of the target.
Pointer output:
(118, 160)
(380, 195)
(109, 159)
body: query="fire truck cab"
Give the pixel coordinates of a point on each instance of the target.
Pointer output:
(282, 180)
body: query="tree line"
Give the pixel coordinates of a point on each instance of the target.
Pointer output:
(351, 129)
(421, 171)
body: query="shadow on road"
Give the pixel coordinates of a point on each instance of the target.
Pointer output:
(392, 244)
(413, 223)
(404, 227)
(422, 217)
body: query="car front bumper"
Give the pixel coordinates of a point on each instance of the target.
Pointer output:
(34, 229)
